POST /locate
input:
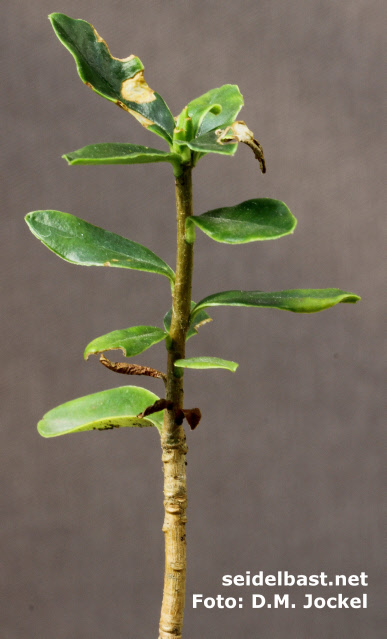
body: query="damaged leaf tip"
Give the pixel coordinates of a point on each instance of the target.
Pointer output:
(119, 80)
(239, 132)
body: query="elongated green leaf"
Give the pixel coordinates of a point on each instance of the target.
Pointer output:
(120, 81)
(200, 319)
(131, 341)
(297, 300)
(260, 219)
(106, 410)
(113, 153)
(206, 362)
(208, 143)
(218, 107)
(79, 242)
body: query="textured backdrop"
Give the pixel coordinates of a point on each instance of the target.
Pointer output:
(284, 471)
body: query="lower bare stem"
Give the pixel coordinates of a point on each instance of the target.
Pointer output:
(175, 502)
(173, 438)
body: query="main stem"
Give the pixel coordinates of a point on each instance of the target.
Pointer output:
(173, 440)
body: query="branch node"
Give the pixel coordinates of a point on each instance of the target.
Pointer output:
(192, 415)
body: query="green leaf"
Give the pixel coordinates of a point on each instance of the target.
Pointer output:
(260, 219)
(113, 153)
(218, 107)
(206, 362)
(106, 410)
(297, 300)
(79, 242)
(208, 143)
(200, 319)
(120, 81)
(131, 341)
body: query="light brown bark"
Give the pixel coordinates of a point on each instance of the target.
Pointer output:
(175, 503)
(173, 438)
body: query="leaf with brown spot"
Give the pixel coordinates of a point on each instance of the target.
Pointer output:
(105, 410)
(80, 242)
(119, 80)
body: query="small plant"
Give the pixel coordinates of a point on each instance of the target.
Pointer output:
(206, 125)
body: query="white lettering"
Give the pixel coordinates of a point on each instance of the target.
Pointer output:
(258, 601)
(281, 602)
(342, 601)
(355, 602)
(302, 580)
(209, 602)
(230, 602)
(323, 579)
(353, 580)
(289, 580)
(257, 580)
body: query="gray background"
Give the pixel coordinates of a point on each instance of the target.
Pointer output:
(285, 469)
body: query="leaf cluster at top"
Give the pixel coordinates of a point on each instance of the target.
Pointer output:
(190, 135)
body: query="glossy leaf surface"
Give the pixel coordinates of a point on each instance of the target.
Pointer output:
(113, 153)
(131, 341)
(259, 219)
(218, 107)
(206, 362)
(120, 81)
(200, 319)
(79, 242)
(296, 300)
(114, 408)
(208, 143)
